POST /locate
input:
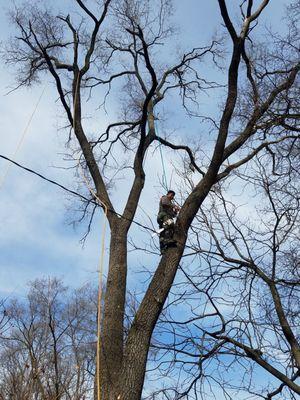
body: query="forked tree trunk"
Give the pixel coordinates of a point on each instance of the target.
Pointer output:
(123, 365)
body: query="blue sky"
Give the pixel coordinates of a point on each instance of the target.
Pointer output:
(36, 239)
(36, 236)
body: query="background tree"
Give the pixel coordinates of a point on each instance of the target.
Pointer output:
(239, 296)
(48, 352)
(82, 54)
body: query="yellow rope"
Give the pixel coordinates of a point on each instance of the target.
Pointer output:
(21, 140)
(101, 264)
(101, 261)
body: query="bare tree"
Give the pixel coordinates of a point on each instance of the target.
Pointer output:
(48, 352)
(82, 54)
(238, 292)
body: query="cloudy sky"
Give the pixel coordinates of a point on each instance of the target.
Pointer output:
(37, 237)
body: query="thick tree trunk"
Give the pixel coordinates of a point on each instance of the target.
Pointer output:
(112, 335)
(138, 341)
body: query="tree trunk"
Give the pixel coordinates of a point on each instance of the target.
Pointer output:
(112, 335)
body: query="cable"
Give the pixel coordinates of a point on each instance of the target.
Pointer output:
(45, 178)
(31, 171)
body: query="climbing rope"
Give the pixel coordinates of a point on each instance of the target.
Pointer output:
(100, 278)
(164, 176)
(22, 138)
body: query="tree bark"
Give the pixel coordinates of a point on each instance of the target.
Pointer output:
(112, 334)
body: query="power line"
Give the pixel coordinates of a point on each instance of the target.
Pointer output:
(72, 191)
(46, 179)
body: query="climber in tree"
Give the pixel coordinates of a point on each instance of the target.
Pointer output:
(167, 211)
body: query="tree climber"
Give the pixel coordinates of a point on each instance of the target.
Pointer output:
(167, 211)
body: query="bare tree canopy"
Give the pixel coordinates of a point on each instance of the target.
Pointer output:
(237, 280)
(48, 347)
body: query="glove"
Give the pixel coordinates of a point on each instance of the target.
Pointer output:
(168, 222)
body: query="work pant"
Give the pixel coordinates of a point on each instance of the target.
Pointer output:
(166, 236)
